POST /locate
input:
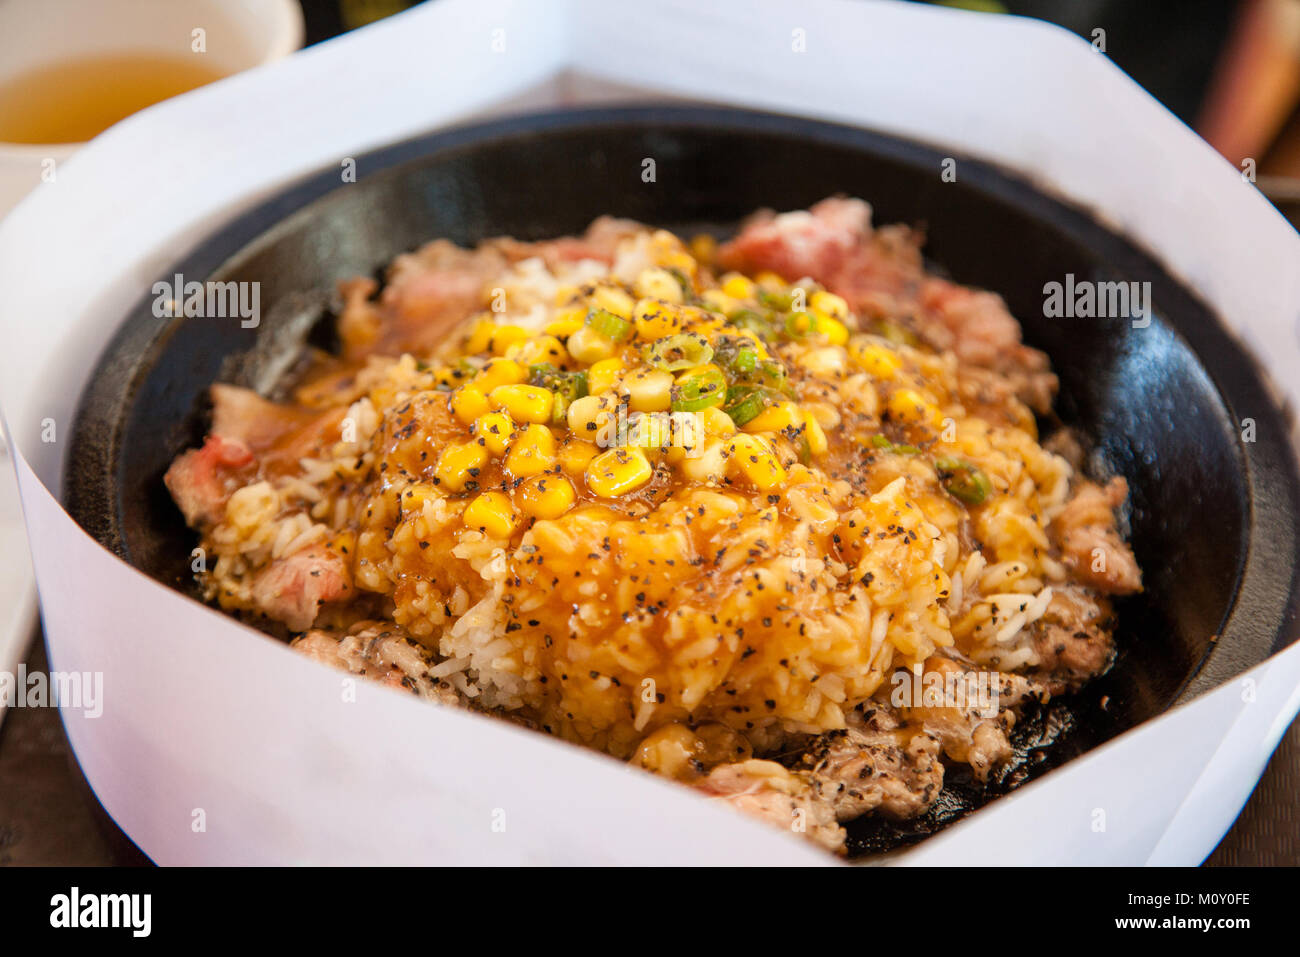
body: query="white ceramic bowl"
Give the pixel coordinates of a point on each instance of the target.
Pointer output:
(237, 35)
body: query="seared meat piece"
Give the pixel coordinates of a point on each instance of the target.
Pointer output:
(876, 764)
(380, 651)
(881, 271)
(977, 732)
(600, 242)
(978, 327)
(1066, 443)
(202, 480)
(1090, 543)
(782, 797)
(427, 293)
(818, 242)
(278, 435)
(1073, 639)
(293, 588)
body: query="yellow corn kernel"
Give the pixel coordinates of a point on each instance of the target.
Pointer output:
(836, 332)
(738, 287)
(564, 326)
(708, 464)
(538, 349)
(719, 301)
(877, 361)
(910, 407)
(612, 299)
(576, 455)
(343, 543)
(416, 494)
(827, 416)
(546, 496)
(500, 372)
(459, 465)
(589, 346)
(480, 337)
(671, 254)
(468, 403)
(492, 513)
(703, 247)
(813, 432)
(824, 360)
(774, 418)
(713, 421)
(525, 403)
(506, 336)
(618, 471)
(586, 414)
(770, 281)
(829, 305)
(756, 461)
(494, 430)
(648, 390)
(565, 294)
(532, 451)
(654, 319)
(658, 284)
(604, 375)
(448, 377)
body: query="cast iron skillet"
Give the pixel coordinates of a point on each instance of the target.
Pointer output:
(1213, 518)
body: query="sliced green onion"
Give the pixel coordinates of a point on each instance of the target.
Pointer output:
(780, 301)
(962, 480)
(754, 321)
(609, 325)
(677, 352)
(699, 391)
(743, 405)
(736, 354)
(746, 361)
(683, 280)
(772, 372)
(881, 442)
(802, 325)
(566, 386)
(898, 335)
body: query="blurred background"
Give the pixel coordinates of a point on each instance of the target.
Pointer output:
(1230, 69)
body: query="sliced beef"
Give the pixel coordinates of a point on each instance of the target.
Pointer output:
(278, 435)
(971, 729)
(203, 479)
(1090, 542)
(599, 242)
(383, 652)
(1073, 639)
(292, 589)
(876, 765)
(784, 798)
(881, 271)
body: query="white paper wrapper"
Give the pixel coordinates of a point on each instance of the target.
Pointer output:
(207, 721)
